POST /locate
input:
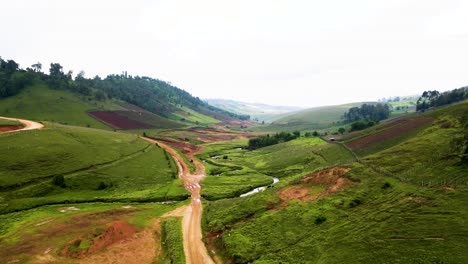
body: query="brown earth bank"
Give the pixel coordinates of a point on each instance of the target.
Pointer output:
(332, 179)
(9, 128)
(209, 135)
(390, 130)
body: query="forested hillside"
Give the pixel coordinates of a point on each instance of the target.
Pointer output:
(153, 95)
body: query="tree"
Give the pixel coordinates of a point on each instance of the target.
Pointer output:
(341, 130)
(315, 134)
(37, 67)
(56, 71)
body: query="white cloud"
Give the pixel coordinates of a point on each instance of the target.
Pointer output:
(279, 52)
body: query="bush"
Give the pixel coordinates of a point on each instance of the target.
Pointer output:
(320, 220)
(58, 180)
(354, 203)
(102, 186)
(386, 185)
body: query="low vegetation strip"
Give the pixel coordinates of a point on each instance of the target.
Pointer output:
(389, 131)
(172, 240)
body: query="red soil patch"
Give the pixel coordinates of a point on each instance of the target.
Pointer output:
(9, 128)
(115, 232)
(113, 119)
(389, 131)
(332, 178)
(186, 147)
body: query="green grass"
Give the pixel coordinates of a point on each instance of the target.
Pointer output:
(171, 238)
(97, 165)
(385, 216)
(41, 103)
(33, 224)
(244, 170)
(5, 122)
(309, 119)
(193, 117)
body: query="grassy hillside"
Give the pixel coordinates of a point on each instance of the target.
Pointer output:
(233, 170)
(313, 118)
(405, 204)
(38, 102)
(261, 112)
(96, 165)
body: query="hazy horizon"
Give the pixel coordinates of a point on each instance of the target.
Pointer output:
(294, 53)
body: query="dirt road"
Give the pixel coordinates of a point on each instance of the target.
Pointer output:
(194, 248)
(28, 125)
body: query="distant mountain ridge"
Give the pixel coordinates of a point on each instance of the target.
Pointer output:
(258, 111)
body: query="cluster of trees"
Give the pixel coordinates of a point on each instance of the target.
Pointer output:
(150, 94)
(435, 98)
(264, 141)
(367, 112)
(12, 79)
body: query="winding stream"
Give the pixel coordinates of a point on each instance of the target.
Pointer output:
(259, 189)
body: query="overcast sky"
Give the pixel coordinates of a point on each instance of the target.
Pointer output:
(303, 53)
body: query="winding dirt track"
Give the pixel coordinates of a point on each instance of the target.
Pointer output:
(28, 125)
(194, 248)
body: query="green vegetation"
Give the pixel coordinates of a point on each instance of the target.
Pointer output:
(435, 98)
(86, 220)
(359, 125)
(405, 203)
(171, 238)
(313, 118)
(83, 165)
(367, 112)
(265, 141)
(245, 170)
(5, 122)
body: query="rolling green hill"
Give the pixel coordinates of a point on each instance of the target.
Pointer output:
(95, 165)
(260, 112)
(309, 119)
(403, 204)
(39, 102)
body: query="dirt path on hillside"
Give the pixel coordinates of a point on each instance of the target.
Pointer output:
(194, 248)
(27, 124)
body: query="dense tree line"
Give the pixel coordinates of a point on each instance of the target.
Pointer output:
(367, 112)
(150, 94)
(12, 79)
(264, 141)
(435, 98)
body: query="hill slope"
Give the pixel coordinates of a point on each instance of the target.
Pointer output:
(405, 203)
(309, 119)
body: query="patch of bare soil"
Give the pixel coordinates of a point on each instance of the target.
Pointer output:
(9, 128)
(38, 245)
(389, 131)
(331, 178)
(140, 247)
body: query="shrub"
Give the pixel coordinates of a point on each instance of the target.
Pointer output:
(102, 186)
(320, 220)
(58, 180)
(386, 185)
